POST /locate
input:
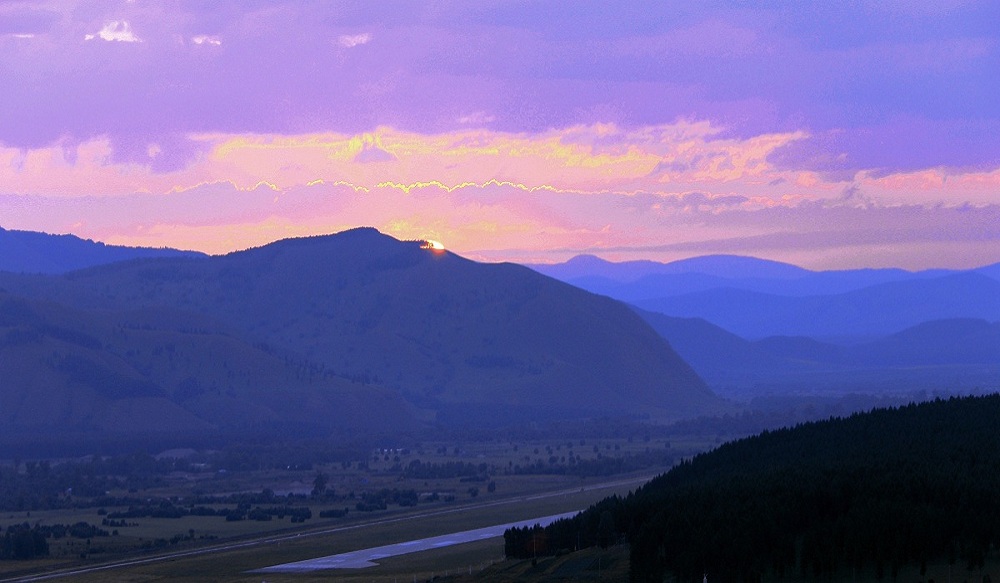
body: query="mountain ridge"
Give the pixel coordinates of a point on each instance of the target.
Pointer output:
(34, 252)
(721, 265)
(951, 355)
(435, 328)
(867, 312)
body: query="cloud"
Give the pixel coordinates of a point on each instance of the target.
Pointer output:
(204, 39)
(494, 128)
(595, 188)
(669, 160)
(369, 148)
(116, 30)
(700, 199)
(219, 217)
(373, 154)
(351, 41)
(477, 118)
(769, 70)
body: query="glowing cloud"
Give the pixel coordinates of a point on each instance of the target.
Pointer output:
(661, 191)
(665, 129)
(672, 161)
(206, 40)
(351, 41)
(116, 30)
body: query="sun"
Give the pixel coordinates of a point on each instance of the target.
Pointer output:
(433, 245)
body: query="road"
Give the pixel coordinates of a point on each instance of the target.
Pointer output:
(274, 539)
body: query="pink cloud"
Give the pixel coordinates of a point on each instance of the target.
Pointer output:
(350, 41)
(625, 192)
(502, 221)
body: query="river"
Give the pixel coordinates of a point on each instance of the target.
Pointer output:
(366, 557)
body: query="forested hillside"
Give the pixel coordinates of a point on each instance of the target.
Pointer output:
(31, 252)
(867, 494)
(70, 376)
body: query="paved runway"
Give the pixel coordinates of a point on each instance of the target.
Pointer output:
(367, 557)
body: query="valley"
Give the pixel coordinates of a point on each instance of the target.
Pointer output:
(161, 524)
(758, 330)
(185, 415)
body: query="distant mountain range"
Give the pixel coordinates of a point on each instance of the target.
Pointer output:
(349, 330)
(751, 326)
(756, 298)
(864, 313)
(31, 252)
(957, 355)
(723, 266)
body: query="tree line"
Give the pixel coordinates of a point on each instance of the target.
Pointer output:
(870, 493)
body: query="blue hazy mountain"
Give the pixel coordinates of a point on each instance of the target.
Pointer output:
(641, 280)
(656, 286)
(772, 330)
(864, 313)
(990, 271)
(757, 298)
(943, 355)
(31, 252)
(727, 266)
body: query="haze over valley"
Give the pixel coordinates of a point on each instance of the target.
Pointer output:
(755, 328)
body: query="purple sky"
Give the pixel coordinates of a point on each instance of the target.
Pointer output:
(830, 134)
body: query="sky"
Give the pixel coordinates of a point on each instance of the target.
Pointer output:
(827, 134)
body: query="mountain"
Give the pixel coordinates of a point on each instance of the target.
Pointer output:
(752, 327)
(726, 266)
(715, 354)
(464, 341)
(992, 271)
(743, 369)
(165, 372)
(31, 252)
(632, 281)
(656, 286)
(868, 312)
(939, 342)
(943, 355)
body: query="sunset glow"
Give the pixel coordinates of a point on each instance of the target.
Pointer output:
(630, 134)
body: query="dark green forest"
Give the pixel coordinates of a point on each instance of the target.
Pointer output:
(870, 493)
